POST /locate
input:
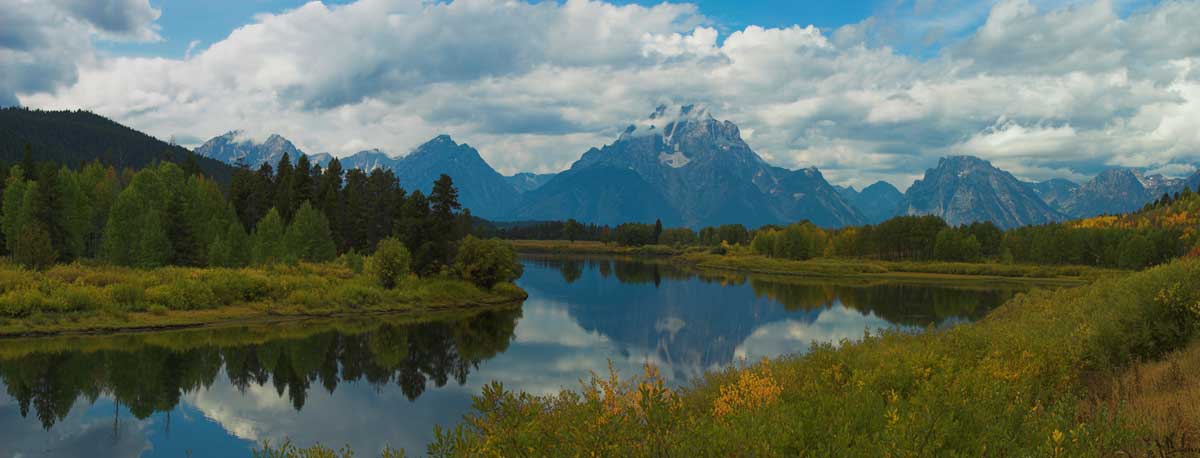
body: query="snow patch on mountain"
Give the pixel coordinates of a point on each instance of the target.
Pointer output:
(674, 160)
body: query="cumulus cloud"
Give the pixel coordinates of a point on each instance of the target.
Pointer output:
(42, 44)
(1047, 90)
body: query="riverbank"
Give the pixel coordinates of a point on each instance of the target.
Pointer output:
(740, 259)
(1034, 378)
(89, 299)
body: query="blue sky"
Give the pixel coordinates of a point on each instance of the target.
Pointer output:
(185, 21)
(863, 90)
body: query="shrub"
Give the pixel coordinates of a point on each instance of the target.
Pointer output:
(233, 286)
(486, 262)
(352, 260)
(390, 263)
(308, 299)
(189, 295)
(354, 295)
(126, 295)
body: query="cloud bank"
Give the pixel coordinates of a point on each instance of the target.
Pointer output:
(1040, 89)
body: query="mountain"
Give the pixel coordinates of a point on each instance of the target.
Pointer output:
(701, 168)
(369, 160)
(1157, 185)
(1111, 192)
(72, 137)
(878, 202)
(234, 147)
(1054, 190)
(601, 194)
(486, 192)
(965, 189)
(1193, 182)
(525, 181)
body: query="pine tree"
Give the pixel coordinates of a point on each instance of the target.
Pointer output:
(48, 208)
(352, 227)
(13, 208)
(658, 230)
(284, 198)
(154, 245)
(268, 245)
(302, 182)
(329, 191)
(308, 237)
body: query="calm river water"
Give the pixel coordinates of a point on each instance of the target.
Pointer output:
(378, 381)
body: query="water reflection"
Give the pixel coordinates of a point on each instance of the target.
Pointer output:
(378, 381)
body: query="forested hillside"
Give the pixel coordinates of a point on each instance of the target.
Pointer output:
(72, 138)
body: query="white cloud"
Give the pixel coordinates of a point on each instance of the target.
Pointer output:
(1079, 87)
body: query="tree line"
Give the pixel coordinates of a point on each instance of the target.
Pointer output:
(172, 214)
(1164, 229)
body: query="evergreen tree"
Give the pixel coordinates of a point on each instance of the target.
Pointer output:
(443, 200)
(13, 210)
(154, 247)
(308, 237)
(284, 197)
(48, 208)
(658, 230)
(353, 223)
(302, 182)
(268, 243)
(230, 248)
(328, 196)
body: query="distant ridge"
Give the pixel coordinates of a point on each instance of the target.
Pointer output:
(966, 189)
(73, 137)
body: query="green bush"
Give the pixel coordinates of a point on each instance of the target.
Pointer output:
(391, 262)
(127, 296)
(308, 299)
(189, 295)
(353, 295)
(486, 262)
(352, 260)
(232, 286)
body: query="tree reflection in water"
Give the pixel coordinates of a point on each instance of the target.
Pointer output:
(150, 373)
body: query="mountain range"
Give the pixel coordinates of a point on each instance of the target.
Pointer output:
(680, 165)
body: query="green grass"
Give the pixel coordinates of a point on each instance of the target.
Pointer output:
(851, 267)
(102, 298)
(1014, 384)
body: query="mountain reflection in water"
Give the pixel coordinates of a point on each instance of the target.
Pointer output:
(382, 380)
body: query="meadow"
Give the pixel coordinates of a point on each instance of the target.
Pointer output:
(95, 297)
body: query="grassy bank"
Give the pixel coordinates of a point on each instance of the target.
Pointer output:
(741, 259)
(1028, 380)
(79, 298)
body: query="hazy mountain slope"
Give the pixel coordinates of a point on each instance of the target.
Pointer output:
(601, 194)
(525, 181)
(73, 137)
(235, 147)
(965, 189)
(1111, 192)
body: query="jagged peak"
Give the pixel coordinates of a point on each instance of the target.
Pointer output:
(963, 160)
